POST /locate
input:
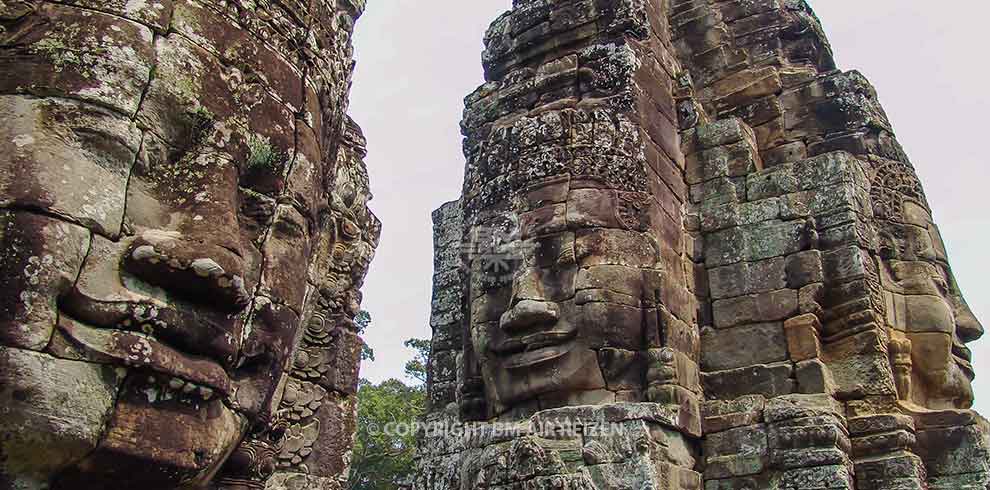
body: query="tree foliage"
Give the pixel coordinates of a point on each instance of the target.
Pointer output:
(385, 441)
(416, 368)
(362, 320)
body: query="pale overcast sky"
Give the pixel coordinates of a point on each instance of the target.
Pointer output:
(417, 59)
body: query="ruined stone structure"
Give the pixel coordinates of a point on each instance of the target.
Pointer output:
(184, 230)
(690, 254)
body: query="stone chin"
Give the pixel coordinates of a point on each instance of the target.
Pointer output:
(161, 400)
(942, 373)
(523, 377)
(85, 425)
(954, 387)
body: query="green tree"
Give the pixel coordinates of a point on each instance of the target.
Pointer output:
(363, 320)
(416, 368)
(385, 442)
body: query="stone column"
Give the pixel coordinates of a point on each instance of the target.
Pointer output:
(813, 220)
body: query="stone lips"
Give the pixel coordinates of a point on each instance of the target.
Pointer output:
(797, 282)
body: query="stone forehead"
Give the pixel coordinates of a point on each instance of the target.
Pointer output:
(526, 152)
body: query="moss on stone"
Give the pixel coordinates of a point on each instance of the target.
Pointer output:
(262, 156)
(62, 47)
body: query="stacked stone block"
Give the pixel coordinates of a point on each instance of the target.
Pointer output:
(882, 450)
(750, 63)
(584, 89)
(786, 442)
(623, 445)
(576, 131)
(446, 313)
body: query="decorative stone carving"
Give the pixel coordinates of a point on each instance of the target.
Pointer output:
(254, 460)
(184, 219)
(924, 305)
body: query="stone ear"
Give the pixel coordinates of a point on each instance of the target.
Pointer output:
(472, 404)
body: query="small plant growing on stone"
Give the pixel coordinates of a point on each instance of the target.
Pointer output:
(197, 126)
(201, 122)
(262, 156)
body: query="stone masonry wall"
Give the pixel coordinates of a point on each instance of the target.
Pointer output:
(446, 349)
(785, 203)
(581, 90)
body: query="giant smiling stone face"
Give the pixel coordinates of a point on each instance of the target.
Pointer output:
(931, 322)
(928, 309)
(158, 245)
(559, 286)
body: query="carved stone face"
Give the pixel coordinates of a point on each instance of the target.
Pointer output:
(556, 290)
(158, 249)
(194, 304)
(925, 304)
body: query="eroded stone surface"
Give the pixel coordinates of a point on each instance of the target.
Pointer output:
(54, 413)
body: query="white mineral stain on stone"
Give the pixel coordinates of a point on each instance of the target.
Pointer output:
(156, 237)
(206, 268)
(135, 6)
(33, 270)
(144, 252)
(23, 140)
(152, 394)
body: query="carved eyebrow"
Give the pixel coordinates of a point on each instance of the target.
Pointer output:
(945, 278)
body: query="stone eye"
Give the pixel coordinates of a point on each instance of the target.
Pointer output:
(941, 283)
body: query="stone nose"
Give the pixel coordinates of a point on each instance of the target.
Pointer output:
(968, 327)
(529, 313)
(202, 273)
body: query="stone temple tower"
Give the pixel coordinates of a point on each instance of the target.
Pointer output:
(690, 253)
